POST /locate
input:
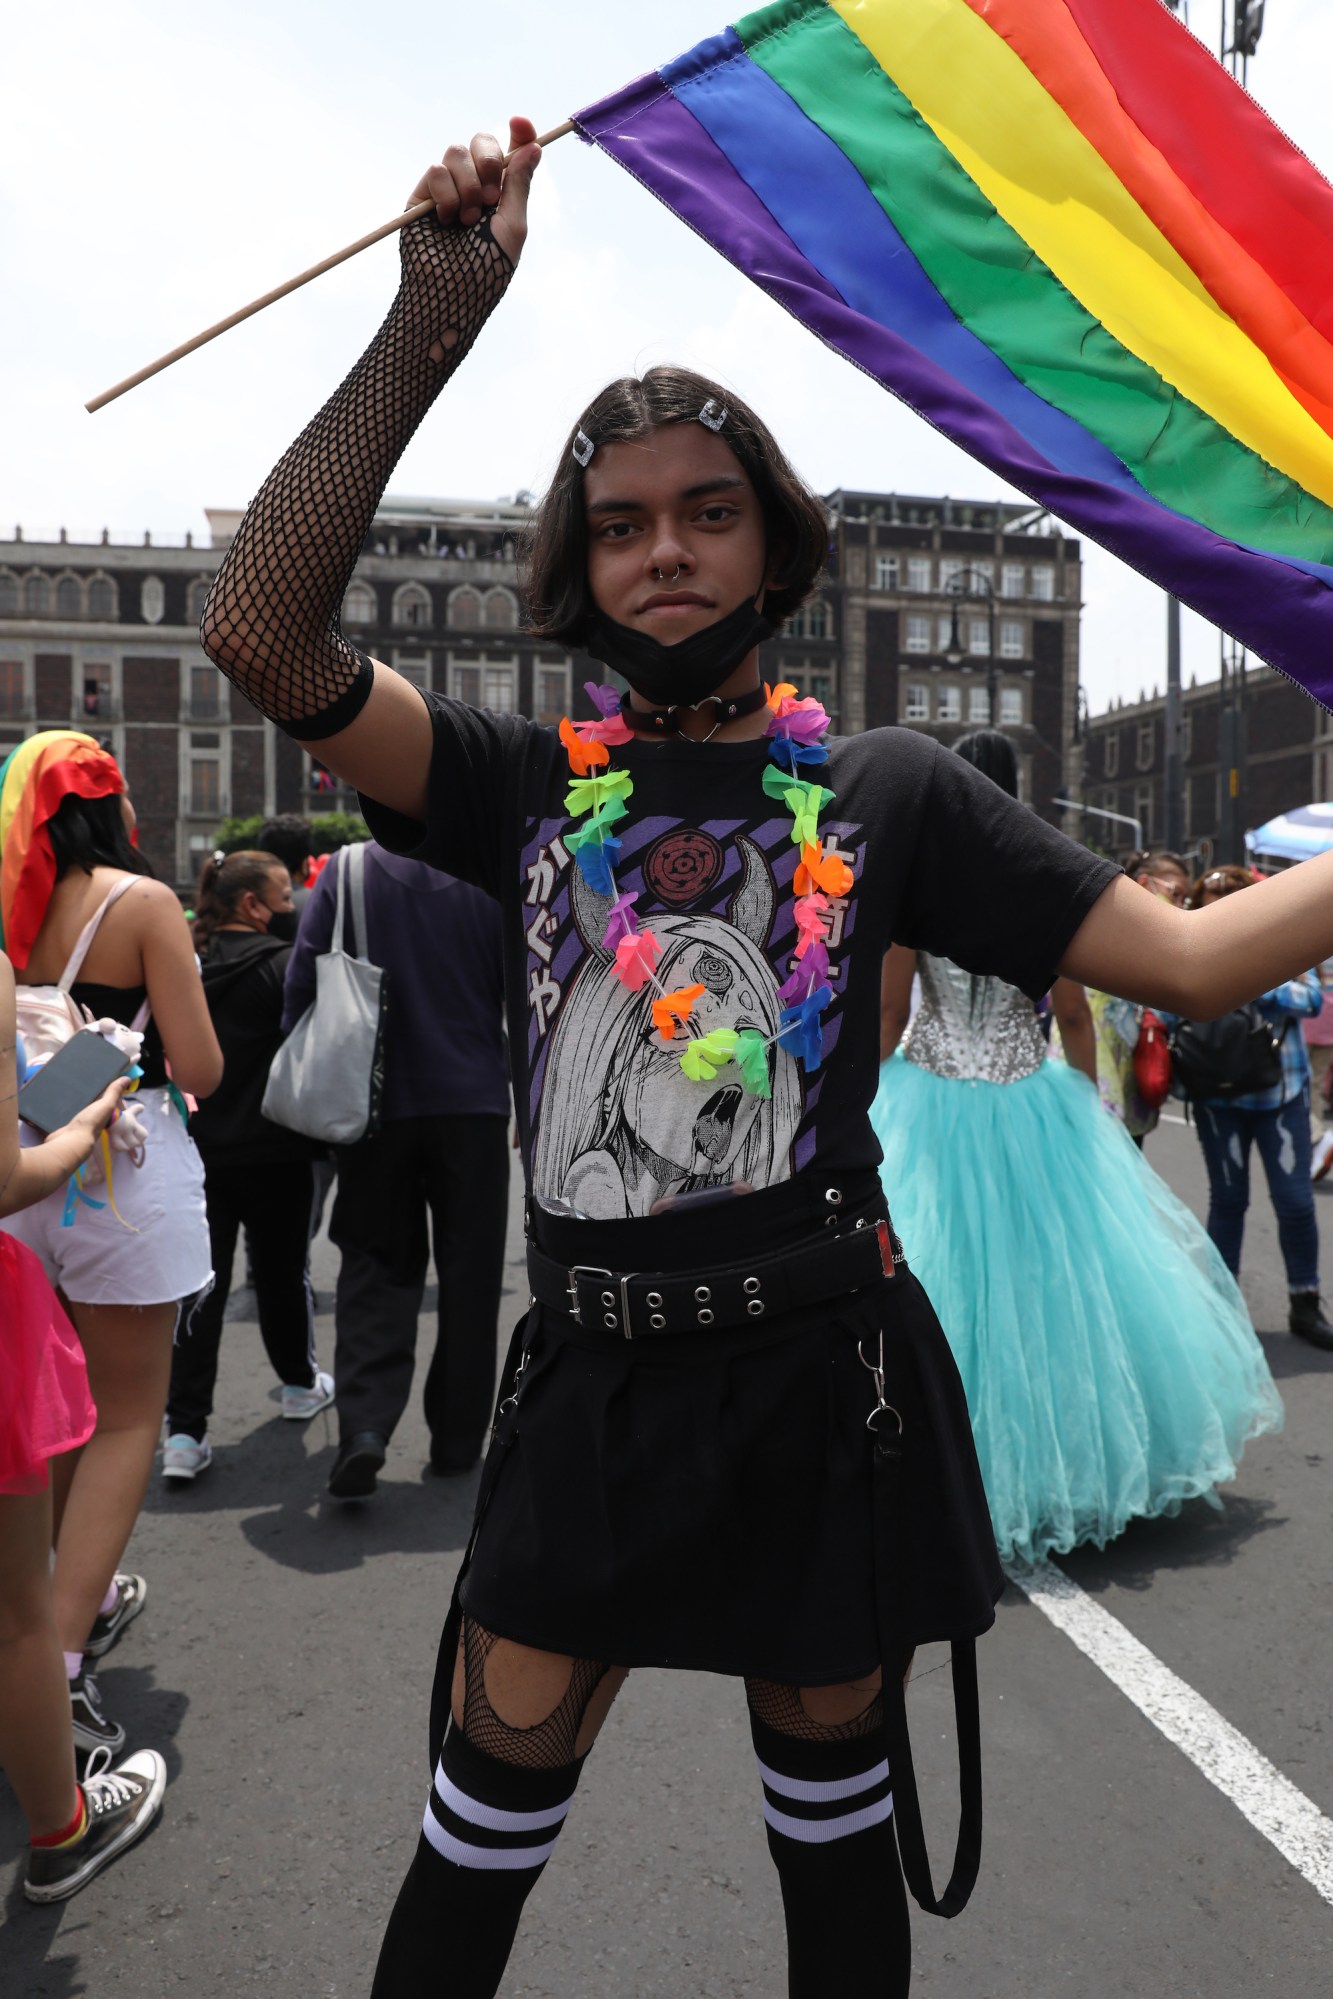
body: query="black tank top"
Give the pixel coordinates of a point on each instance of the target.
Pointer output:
(122, 1003)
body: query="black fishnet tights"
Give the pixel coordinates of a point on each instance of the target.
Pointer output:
(548, 1744)
(271, 620)
(781, 1708)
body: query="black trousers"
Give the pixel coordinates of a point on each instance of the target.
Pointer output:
(448, 1175)
(272, 1203)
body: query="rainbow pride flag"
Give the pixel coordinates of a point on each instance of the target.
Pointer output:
(1062, 233)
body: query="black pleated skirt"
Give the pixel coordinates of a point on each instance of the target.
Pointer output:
(705, 1500)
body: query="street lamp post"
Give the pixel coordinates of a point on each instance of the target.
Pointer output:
(973, 582)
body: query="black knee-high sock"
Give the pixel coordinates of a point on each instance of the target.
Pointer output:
(829, 1814)
(488, 1831)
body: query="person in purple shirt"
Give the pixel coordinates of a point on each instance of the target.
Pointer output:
(435, 1173)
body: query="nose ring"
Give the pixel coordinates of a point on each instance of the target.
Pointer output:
(667, 579)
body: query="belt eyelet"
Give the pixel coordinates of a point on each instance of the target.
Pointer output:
(755, 1307)
(750, 1286)
(705, 1316)
(657, 1321)
(608, 1297)
(654, 1299)
(833, 1195)
(611, 1322)
(702, 1294)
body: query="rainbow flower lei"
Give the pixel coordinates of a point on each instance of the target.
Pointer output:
(598, 797)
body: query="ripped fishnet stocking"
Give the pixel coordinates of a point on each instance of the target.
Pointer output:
(781, 1708)
(547, 1744)
(272, 618)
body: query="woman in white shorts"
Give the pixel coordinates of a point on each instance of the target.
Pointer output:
(122, 1267)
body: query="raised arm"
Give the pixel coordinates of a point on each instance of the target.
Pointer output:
(272, 617)
(1202, 962)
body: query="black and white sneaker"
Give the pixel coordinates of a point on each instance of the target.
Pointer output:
(92, 1730)
(121, 1805)
(131, 1592)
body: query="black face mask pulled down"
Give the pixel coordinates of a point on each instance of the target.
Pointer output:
(687, 672)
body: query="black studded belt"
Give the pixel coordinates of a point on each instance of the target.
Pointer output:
(635, 1304)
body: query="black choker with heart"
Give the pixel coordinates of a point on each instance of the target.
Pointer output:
(666, 721)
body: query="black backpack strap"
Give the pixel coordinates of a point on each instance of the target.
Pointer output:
(890, 1571)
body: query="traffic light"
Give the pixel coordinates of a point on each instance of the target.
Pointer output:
(1249, 25)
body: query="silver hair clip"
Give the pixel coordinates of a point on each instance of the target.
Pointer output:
(712, 416)
(583, 447)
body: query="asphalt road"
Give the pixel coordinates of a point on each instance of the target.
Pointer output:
(283, 1665)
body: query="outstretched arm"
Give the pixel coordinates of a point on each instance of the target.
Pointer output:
(1202, 962)
(271, 621)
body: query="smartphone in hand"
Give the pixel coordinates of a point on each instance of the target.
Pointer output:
(75, 1077)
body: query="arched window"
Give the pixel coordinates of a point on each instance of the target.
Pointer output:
(69, 598)
(411, 605)
(195, 599)
(360, 606)
(465, 610)
(101, 598)
(36, 596)
(817, 621)
(501, 612)
(152, 600)
(9, 594)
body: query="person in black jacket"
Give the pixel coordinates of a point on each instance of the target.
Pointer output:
(258, 1176)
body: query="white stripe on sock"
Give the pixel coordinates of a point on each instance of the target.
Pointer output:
(818, 1832)
(485, 1857)
(491, 1816)
(812, 1791)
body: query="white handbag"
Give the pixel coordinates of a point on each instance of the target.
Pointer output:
(327, 1079)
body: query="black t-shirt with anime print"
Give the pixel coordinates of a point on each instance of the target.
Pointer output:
(943, 860)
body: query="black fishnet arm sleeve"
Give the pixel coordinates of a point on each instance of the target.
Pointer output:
(271, 621)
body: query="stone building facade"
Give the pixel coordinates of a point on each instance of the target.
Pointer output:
(1287, 761)
(103, 636)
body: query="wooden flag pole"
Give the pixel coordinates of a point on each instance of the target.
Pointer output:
(292, 284)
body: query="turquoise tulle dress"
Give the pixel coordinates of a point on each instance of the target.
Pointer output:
(1110, 1365)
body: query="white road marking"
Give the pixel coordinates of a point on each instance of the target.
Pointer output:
(1257, 1788)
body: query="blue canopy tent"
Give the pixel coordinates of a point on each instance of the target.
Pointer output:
(1292, 836)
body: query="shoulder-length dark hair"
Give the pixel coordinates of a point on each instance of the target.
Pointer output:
(993, 755)
(554, 553)
(90, 833)
(223, 880)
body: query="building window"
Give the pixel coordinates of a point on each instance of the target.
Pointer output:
(205, 777)
(414, 666)
(465, 684)
(465, 610)
(550, 686)
(499, 691)
(69, 598)
(978, 637)
(950, 705)
(817, 624)
(205, 696)
(360, 606)
(917, 705)
(1143, 811)
(978, 704)
(102, 598)
(95, 680)
(501, 612)
(152, 600)
(411, 606)
(918, 572)
(9, 594)
(981, 579)
(36, 596)
(950, 571)
(1186, 738)
(1011, 580)
(195, 599)
(918, 635)
(1011, 640)
(1011, 707)
(320, 780)
(1143, 751)
(1111, 753)
(11, 687)
(1043, 582)
(886, 572)
(819, 686)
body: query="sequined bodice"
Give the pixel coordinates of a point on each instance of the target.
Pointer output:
(971, 1028)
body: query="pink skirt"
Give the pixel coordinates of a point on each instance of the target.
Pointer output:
(45, 1407)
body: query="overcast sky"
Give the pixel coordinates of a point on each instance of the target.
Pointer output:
(163, 164)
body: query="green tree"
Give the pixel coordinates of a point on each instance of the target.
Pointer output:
(331, 830)
(235, 834)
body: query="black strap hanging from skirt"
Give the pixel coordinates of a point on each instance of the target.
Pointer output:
(890, 1572)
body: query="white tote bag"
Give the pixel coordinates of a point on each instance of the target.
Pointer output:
(327, 1079)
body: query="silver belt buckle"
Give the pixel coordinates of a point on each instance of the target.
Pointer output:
(576, 1271)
